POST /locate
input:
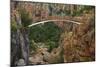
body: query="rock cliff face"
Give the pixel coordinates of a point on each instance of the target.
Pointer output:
(79, 44)
(19, 43)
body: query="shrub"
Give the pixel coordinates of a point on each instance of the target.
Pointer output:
(25, 17)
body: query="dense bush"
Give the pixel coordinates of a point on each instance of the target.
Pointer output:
(13, 26)
(48, 33)
(43, 33)
(25, 17)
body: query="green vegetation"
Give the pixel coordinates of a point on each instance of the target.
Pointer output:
(48, 33)
(25, 17)
(13, 25)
